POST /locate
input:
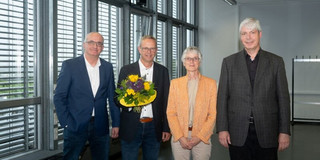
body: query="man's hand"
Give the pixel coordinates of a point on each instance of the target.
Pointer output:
(224, 138)
(284, 141)
(165, 136)
(115, 132)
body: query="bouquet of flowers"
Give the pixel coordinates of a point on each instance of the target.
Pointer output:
(135, 92)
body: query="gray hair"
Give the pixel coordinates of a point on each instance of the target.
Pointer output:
(251, 23)
(89, 34)
(191, 49)
(147, 37)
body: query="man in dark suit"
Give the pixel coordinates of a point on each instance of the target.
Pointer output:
(253, 107)
(83, 87)
(148, 128)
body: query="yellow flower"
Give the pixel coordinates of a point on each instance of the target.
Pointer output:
(146, 86)
(133, 78)
(130, 92)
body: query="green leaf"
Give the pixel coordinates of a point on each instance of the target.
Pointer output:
(136, 102)
(137, 109)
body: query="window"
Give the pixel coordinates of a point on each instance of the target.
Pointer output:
(134, 1)
(161, 26)
(175, 9)
(190, 11)
(190, 38)
(175, 53)
(69, 24)
(69, 37)
(21, 125)
(139, 26)
(109, 26)
(16, 50)
(161, 6)
(17, 76)
(17, 130)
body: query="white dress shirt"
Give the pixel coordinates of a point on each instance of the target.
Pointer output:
(94, 76)
(147, 74)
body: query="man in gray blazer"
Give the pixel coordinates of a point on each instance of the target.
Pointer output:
(253, 106)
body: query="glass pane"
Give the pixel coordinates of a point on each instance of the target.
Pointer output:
(160, 58)
(138, 27)
(16, 50)
(161, 6)
(17, 130)
(190, 38)
(69, 24)
(175, 9)
(69, 35)
(109, 26)
(78, 27)
(190, 11)
(175, 50)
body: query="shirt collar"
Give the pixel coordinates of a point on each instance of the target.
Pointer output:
(144, 67)
(89, 65)
(248, 56)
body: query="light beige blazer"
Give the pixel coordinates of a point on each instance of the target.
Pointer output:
(204, 110)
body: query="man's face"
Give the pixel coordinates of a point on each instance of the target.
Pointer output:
(93, 45)
(250, 38)
(147, 50)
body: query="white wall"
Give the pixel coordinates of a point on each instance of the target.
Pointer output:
(289, 29)
(217, 34)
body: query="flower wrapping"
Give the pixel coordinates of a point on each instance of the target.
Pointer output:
(135, 92)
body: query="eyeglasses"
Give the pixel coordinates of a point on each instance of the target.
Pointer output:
(148, 49)
(189, 59)
(93, 43)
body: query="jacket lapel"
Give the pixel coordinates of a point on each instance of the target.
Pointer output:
(183, 85)
(102, 76)
(199, 99)
(85, 76)
(156, 77)
(136, 69)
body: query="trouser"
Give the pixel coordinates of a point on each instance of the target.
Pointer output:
(252, 149)
(201, 151)
(145, 137)
(75, 142)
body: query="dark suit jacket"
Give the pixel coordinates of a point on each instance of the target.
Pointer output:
(129, 120)
(269, 99)
(74, 99)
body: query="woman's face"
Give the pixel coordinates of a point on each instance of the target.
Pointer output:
(191, 62)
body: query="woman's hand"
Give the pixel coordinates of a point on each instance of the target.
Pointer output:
(184, 143)
(194, 141)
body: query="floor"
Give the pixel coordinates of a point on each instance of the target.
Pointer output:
(305, 145)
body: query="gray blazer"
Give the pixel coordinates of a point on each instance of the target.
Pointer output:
(269, 99)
